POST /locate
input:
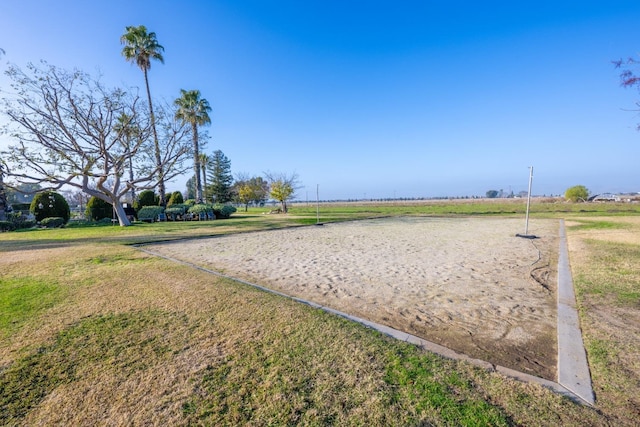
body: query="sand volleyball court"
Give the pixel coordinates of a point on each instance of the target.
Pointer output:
(465, 283)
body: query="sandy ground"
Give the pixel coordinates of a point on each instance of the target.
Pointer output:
(466, 283)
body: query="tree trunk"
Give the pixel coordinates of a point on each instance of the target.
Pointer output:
(196, 162)
(109, 198)
(133, 190)
(122, 216)
(204, 181)
(3, 199)
(161, 188)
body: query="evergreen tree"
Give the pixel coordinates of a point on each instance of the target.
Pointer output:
(191, 188)
(220, 178)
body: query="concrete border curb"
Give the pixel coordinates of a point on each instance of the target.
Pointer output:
(573, 368)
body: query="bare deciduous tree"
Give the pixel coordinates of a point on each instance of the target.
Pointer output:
(66, 132)
(629, 76)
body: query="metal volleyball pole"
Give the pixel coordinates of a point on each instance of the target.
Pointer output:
(526, 222)
(317, 203)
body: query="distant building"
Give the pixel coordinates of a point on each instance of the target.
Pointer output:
(605, 197)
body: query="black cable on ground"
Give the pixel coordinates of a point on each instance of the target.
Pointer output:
(527, 236)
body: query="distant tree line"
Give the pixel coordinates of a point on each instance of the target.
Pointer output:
(245, 190)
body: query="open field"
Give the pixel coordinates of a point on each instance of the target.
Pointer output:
(95, 332)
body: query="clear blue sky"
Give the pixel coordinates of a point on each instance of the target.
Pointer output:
(377, 98)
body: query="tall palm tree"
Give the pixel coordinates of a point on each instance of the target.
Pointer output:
(204, 164)
(194, 110)
(140, 47)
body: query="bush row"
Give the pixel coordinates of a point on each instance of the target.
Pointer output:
(53, 222)
(50, 209)
(173, 212)
(16, 221)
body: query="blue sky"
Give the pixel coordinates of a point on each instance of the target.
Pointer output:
(377, 99)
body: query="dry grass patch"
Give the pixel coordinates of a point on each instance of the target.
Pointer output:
(605, 260)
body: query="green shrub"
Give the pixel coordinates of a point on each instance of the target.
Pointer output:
(146, 198)
(98, 209)
(201, 208)
(177, 209)
(78, 223)
(48, 204)
(52, 222)
(223, 211)
(150, 213)
(20, 221)
(175, 199)
(190, 202)
(6, 226)
(577, 193)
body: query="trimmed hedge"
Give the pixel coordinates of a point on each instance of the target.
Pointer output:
(223, 211)
(200, 208)
(150, 213)
(52, 222)
(20, 221)
(175, 199)
(177, 209)
(203, 208)
(146, 198)
(7, 226)
(49, 204)
(98, 209)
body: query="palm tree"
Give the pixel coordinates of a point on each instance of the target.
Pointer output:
(204, 164)
(194, 110)
(140, 47)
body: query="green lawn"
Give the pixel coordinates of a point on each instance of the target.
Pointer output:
(93, 331)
